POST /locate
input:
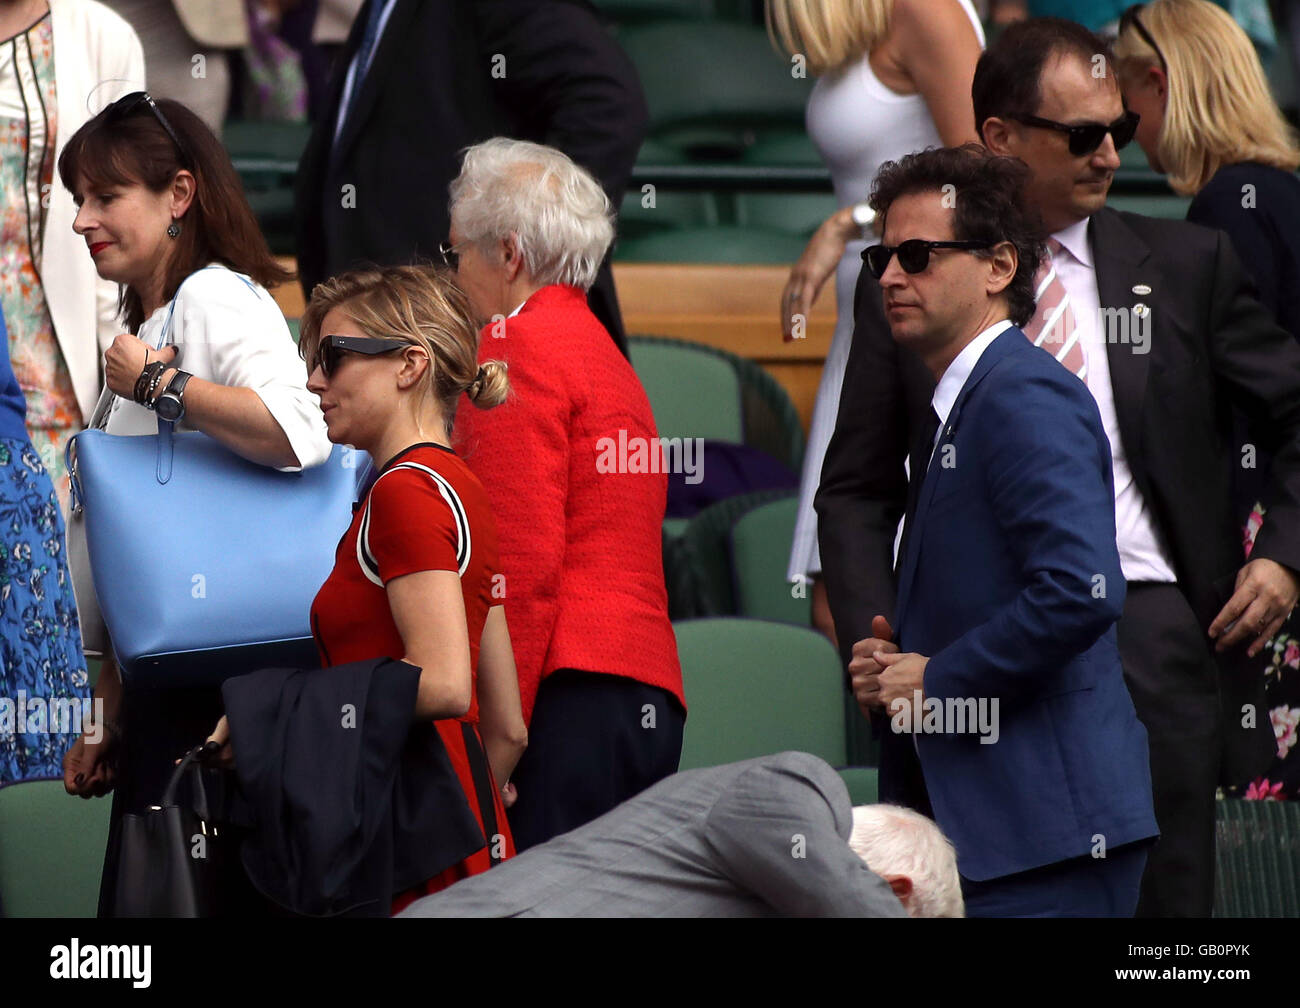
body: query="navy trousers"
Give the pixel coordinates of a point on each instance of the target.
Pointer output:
(1080, 887)
(594, 741)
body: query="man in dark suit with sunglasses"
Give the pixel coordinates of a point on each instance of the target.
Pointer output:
(1172, 336)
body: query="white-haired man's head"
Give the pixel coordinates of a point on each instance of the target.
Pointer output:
(909, 852)
(560, 218)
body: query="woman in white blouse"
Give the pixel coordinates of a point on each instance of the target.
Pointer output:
(162, 213)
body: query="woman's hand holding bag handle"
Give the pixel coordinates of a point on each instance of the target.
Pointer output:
(169, 856)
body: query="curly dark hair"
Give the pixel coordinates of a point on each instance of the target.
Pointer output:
(990, 206)
(1009, 72)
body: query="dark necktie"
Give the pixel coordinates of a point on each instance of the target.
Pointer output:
(369, 39)
(922, 449)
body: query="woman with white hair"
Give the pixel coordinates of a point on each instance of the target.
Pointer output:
(575, 476)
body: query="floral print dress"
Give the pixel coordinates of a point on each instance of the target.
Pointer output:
(27, 138)
(1280, 665)
(44, 690)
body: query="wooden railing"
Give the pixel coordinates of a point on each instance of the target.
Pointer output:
(735, 308)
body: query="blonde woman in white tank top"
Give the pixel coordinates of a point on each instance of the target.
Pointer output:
(894, 77)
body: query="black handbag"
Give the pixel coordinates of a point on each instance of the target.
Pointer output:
(169, 858)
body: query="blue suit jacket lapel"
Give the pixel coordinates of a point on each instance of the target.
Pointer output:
(1008, 342)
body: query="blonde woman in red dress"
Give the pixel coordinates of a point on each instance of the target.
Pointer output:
(416, 577)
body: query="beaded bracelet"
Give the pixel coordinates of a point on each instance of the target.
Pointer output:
(151, 397)
(148, 375)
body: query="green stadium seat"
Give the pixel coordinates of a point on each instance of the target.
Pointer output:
(784, 148)
(863, 784)
(725, 243)
(697, 564)
(672, 209)
(755, 688)
(693, 392)
(797, 213)
(657, 152)
(266, 155)
(762, 527)
(1257, 855)
(760, 552)
(51, 850)
(265, 150)
(864, 749)
(674, 527)
(711, 84)
(701, 391)
(677, 370)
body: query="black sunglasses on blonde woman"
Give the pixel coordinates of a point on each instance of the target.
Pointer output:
(332, 349)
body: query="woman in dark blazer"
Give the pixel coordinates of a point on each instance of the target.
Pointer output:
(1210, 123)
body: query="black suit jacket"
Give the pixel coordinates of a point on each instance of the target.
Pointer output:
(447, 74)
(1262, 228)
(346, 809)
(1212, 345)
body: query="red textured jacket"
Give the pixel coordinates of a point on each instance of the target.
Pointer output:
(579, 518)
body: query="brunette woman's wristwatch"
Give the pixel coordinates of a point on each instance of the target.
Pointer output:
(170, 405)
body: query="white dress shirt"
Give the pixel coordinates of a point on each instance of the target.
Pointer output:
(950, 385)
(1142, 556)
(945, 396)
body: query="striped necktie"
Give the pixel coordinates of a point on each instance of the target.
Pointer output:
(1053, 326)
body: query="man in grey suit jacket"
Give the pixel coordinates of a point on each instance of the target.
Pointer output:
(765, 837)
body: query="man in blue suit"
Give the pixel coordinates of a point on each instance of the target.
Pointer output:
(1004, 685)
